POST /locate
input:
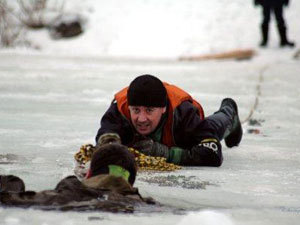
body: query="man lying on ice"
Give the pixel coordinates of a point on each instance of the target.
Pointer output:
(162, 120)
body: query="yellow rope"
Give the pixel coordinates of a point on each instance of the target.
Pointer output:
(257, 94)
(84, 154)
(144, 162)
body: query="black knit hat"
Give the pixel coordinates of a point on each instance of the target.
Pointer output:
(147, 90)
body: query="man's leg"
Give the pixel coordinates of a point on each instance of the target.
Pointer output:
(227, 123)
(278, 11)
(265, 25)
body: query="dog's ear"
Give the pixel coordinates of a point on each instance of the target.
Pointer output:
(11, 183)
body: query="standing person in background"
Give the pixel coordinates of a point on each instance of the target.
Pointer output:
(160, 119)
(275, 6)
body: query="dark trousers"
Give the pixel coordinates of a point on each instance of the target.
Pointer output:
(222, 121)
(278, 12)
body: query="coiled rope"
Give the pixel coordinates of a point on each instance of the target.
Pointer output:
(144, 162)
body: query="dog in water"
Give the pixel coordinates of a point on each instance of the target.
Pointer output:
(107, 187)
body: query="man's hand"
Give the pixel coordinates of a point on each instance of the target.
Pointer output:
(152, 148)
(109, 138)
(206, 153)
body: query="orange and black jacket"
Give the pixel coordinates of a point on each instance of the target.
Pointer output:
(184, 126)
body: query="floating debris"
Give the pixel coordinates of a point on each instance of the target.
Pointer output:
(189, 182)
(92, 218)
(9, 159)
(255, 122)
(253, 131)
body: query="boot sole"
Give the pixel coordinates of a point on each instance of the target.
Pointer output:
(236, 136)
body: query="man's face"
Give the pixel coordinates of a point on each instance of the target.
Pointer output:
(145, 119)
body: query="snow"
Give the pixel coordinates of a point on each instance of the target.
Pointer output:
(162, 29)
(51, 101)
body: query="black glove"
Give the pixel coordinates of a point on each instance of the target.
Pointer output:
(207, 153)
(108, 138)
(152, 148)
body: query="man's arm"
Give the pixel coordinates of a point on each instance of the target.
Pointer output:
(113, 126)
(207, 153)
(197, 142)
(198, 138)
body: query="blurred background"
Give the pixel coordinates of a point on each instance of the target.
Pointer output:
(137, 28)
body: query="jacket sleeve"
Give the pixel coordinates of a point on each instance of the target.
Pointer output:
(114, 122)
(197, 139)
(206, 153)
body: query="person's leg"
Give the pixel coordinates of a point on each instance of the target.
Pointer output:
(265, 25)
(278, 11)
(227, 124)
(11, 183)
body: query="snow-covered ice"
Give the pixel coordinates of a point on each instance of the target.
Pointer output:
(51, 102)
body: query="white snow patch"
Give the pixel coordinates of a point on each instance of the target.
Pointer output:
(206, 217)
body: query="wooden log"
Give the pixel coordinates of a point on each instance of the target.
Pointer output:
(239, 54)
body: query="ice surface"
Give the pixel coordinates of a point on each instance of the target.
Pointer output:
(51, 104)
(47, 113)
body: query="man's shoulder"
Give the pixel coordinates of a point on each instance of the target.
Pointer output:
(186, 105)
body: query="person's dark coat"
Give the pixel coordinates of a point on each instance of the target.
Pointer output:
(188, 131)
(188, 128)
(102, 192)
(271, 3)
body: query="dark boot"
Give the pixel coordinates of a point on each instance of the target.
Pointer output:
(283, 39)
(265, 35)
(233, 134)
